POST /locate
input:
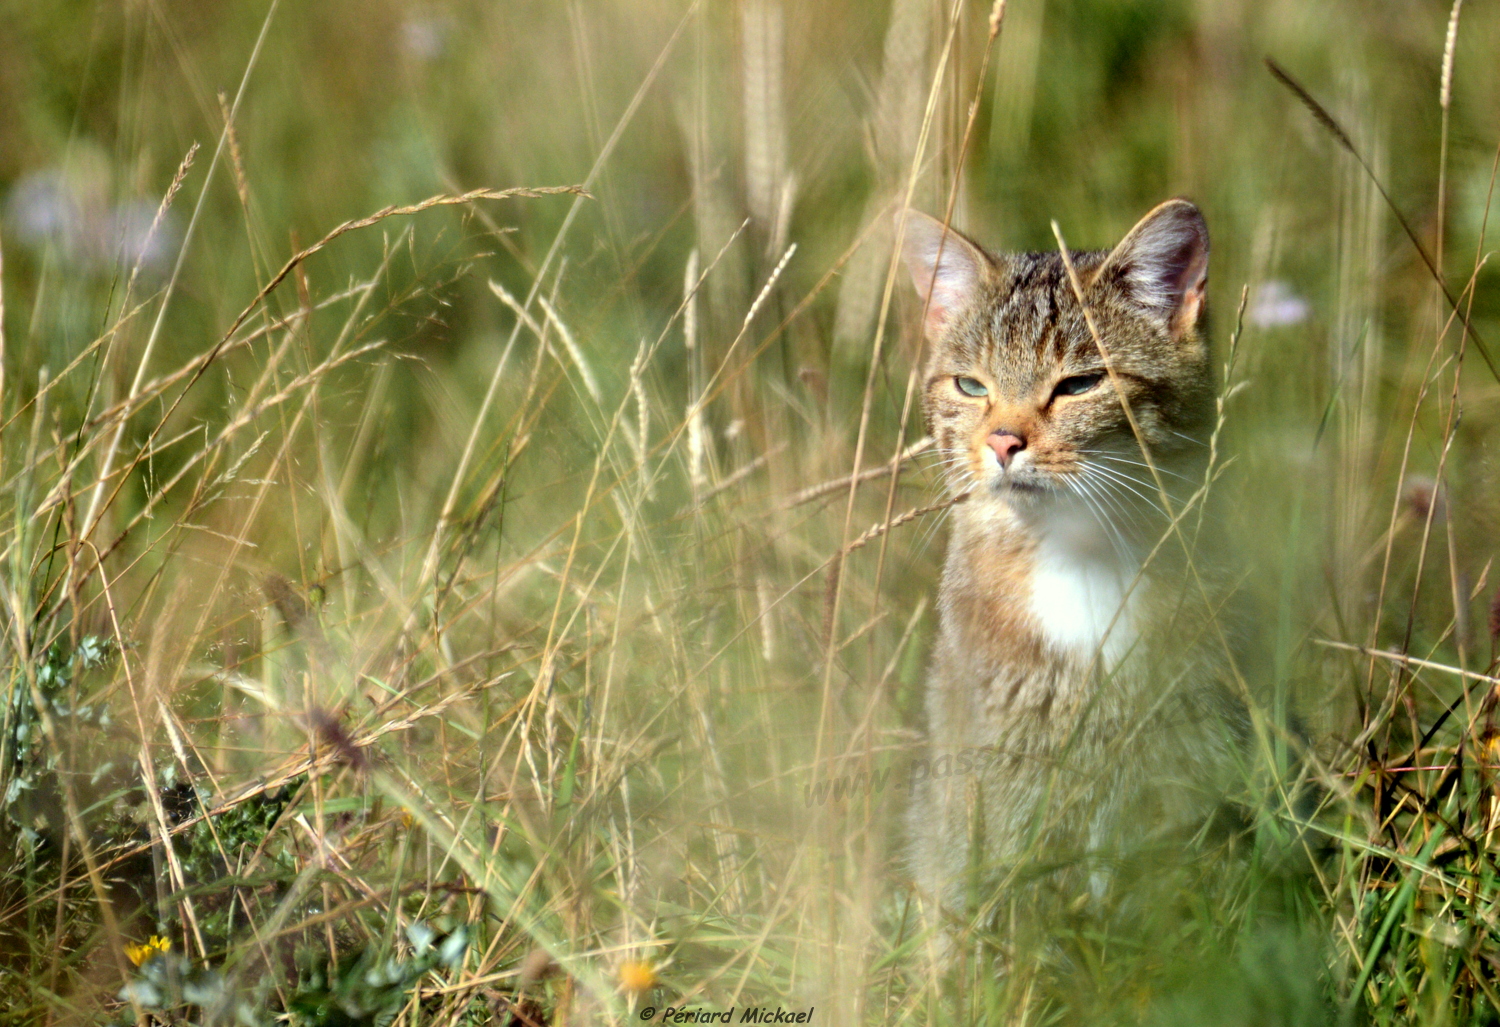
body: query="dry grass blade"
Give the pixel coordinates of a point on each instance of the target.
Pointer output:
(1316, 109)
(812, 492)
(399, 211)
(286, 269)
(877, 530)
(1327, 120)
(1408, 661)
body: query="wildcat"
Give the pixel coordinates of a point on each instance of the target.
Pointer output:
(1077, 646)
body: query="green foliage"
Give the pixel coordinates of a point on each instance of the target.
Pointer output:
(372, 987)
(30, 766)
(367, 989)
(170, 988)
(213, 850)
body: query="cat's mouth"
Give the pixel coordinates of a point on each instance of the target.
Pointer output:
(1024, 484)
(1024, 480)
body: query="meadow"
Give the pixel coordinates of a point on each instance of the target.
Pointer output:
(469, 545)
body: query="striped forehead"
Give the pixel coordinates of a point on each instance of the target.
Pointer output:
(1036, 315)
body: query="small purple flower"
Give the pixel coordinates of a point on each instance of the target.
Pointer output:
(1274, 305)
(425, 38)
(71, 213)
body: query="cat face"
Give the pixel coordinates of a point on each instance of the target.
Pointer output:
(1017, 392)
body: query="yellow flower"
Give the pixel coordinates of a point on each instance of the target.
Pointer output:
(636, 976)
(140, 954)
(1489, 748)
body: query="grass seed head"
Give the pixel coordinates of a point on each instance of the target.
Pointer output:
(537, 966)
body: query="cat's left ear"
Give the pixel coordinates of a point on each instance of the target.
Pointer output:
(1163, 264)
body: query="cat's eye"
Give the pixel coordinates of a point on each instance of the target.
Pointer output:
(1077, 385)
(971, 386)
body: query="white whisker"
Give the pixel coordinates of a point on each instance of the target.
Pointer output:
(1125, 481)
(1085, 491)
(1106, 493)
(1114, 458)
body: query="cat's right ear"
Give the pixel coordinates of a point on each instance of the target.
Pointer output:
(946, 268)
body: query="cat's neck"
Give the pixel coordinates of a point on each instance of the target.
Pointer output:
(1066, 578)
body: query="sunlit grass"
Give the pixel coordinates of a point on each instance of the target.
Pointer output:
(477, 597)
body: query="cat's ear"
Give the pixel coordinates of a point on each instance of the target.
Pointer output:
(1162, 264)
(944, 263)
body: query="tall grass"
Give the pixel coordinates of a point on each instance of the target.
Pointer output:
(512, 606)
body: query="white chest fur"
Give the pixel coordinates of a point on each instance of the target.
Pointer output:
(1079, 587)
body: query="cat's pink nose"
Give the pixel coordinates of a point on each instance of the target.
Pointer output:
(1005, 445)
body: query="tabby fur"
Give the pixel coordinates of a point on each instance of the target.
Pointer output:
(1090, 677)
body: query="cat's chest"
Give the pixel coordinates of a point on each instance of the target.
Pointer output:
(1081, 601)
(1055, 594)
